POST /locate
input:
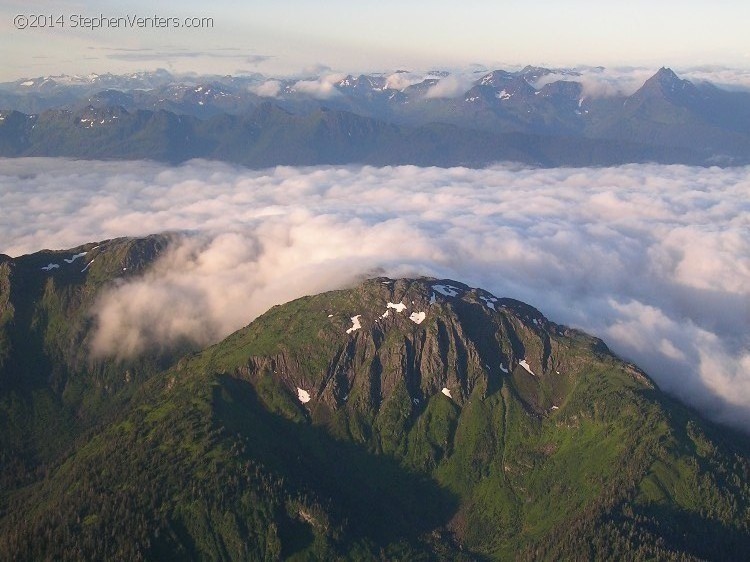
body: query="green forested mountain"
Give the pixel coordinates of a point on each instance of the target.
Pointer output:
(409, 419)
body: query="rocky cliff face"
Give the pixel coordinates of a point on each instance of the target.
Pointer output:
(428, 337)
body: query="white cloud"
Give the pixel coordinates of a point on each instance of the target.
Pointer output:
(402, 80)
(452, 86)
(321, 88)
(268, 89)
(721, 76)
(601, 82)
(652, 258)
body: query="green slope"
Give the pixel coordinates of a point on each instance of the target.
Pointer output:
(578, 456)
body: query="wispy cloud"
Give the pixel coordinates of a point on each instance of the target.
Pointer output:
(452, 86)
(600, 82)
(267, 89)
(320, 88)
(167, 52)
(651, 258)
(623, 81)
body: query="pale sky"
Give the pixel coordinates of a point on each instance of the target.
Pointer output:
(292, 36)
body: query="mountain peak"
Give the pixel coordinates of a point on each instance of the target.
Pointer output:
(666, 82)
(666, 73)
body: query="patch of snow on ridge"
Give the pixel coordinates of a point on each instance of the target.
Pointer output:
(50, 267)
(447, 290)
(74, 257)
(417, 317)
(303, 395)
(355, 324)
(385, 314)
(489, 301)
(447, 392)
(526, 366)
(400, 307)
(503, 368)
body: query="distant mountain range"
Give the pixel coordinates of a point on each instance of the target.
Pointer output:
(374, 119)
(399, 419)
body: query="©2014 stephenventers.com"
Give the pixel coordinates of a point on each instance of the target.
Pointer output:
(101, 21)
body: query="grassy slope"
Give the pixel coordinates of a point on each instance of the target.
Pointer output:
(216, 458)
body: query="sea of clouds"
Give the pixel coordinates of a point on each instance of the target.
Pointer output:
(654, 259)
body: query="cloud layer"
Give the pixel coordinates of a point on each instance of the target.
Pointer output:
(653, 259)
(600, 82)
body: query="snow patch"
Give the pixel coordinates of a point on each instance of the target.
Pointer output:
(447, 290)
(303, 395)
(27, 83)
(330, 316)
(447, 392)
(489, 301)
(74, 257)
(50, 267)
(355, 324)
(433, 298)
(503, 368)
(400, 307)
(526, 366)
(417, 317)
(555, 408)
(385, 314)
(87, 265)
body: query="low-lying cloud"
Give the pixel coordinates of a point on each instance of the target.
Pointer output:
(322, 88)
(452, 86)
(598, 82)
(654, 259)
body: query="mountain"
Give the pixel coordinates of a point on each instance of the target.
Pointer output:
(396, 419)
(675, 112)
(271, 136)
(501, 116)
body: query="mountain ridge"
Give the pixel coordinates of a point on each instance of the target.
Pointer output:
(667, 120)
(396, 418)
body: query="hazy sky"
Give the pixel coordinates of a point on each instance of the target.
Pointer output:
(288, 36)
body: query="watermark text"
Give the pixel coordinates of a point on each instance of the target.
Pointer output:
(100, 21)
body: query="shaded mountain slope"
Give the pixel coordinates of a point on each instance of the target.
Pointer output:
(399, 419)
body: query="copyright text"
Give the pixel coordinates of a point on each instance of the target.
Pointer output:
(100, 21)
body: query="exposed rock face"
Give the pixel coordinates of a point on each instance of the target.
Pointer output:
(467, 341)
